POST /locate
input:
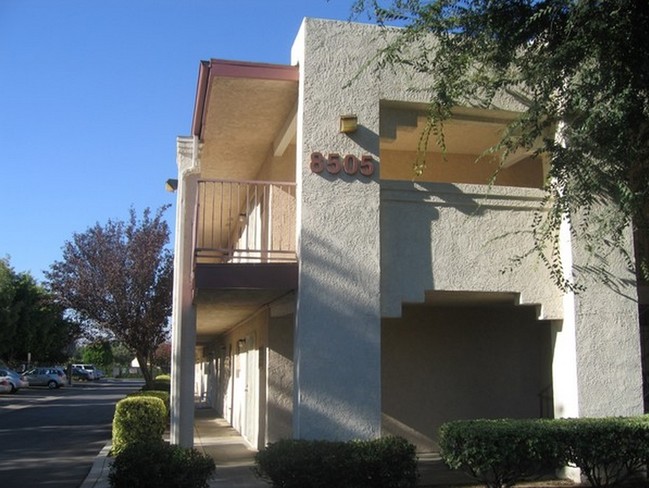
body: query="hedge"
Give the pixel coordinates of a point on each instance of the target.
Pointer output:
(160, 466)
(388, 462)
(138, 420)
(502, 452)
(162, 395)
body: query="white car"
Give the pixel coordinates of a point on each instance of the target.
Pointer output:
(88, 368)
(5, 387)
(14, 379)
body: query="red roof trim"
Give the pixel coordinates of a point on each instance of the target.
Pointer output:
(264, 71)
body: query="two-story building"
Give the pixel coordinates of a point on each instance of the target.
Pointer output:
(322, 291)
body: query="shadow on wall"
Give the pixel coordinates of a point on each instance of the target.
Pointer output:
(442, 363)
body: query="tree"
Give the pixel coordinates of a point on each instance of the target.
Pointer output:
(98, 353)
(31, 322)
(579, 69)
(118, 277)
(162, 357)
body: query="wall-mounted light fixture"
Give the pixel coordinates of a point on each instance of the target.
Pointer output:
(171, 185)
(348, 123)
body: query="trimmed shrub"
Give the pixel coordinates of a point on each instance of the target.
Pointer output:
(160, 466)
(161, 383)
(382, 463)
(162, 395)
(138, 420)
(608, 451)
(501, 452)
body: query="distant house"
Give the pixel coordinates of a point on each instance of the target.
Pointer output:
(322, 292)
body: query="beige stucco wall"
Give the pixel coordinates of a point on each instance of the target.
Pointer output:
(279, 168)
(461, 168)
(449, 363)
(280, 378)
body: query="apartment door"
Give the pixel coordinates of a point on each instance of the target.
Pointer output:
(248, 389)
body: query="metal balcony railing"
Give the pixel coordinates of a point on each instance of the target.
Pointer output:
(244, 222)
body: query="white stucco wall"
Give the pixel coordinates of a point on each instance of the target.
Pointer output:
(453, 237)
(367, 246)
(337, 339)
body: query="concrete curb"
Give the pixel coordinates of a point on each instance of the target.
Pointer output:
(98, 474)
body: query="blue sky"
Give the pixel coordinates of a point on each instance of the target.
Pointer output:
(93, 95)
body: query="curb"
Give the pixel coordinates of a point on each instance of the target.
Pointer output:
(98, 474)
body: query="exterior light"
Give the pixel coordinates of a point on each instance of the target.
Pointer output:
(348, 123)
(171, 185)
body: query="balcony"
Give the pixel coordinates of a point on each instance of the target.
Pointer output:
(244, 235)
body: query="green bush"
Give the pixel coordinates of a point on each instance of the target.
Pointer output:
(382, 463)
(162, 395)
(160, 466)
(138, 420)
(502, 452)
(161, 383)
(607, 450)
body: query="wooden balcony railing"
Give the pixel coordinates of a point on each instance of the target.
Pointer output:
(244, 222)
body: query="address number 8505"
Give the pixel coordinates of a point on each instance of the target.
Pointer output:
(334, 164)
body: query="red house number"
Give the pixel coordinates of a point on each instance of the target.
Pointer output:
(334, 164)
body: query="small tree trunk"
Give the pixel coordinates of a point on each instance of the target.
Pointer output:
(146, 371)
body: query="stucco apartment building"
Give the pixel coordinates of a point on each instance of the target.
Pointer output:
(324, 292)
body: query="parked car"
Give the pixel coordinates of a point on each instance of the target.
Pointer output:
(81, 374)
(5, 386)
(88, 367)
(14, 379)
(50, 377)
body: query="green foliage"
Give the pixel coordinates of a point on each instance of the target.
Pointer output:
(382, 463)
(31, 321)
(122, 355)
(502, 452)
(162, 395)
(580, 73)
(161, 383)
(160, 466)
(608, 451)
(98, 353)
(138, 420)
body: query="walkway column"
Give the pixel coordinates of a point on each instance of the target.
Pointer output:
(184, 313)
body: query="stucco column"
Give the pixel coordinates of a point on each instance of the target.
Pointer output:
(184, 313)
(607, 332)
(337, 388)
(597, 367)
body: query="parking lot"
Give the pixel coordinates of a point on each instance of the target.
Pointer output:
(50, 437)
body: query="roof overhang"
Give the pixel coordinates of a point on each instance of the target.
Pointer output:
(243, 113)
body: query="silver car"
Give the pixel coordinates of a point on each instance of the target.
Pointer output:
(50, 377)
(13, 378)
